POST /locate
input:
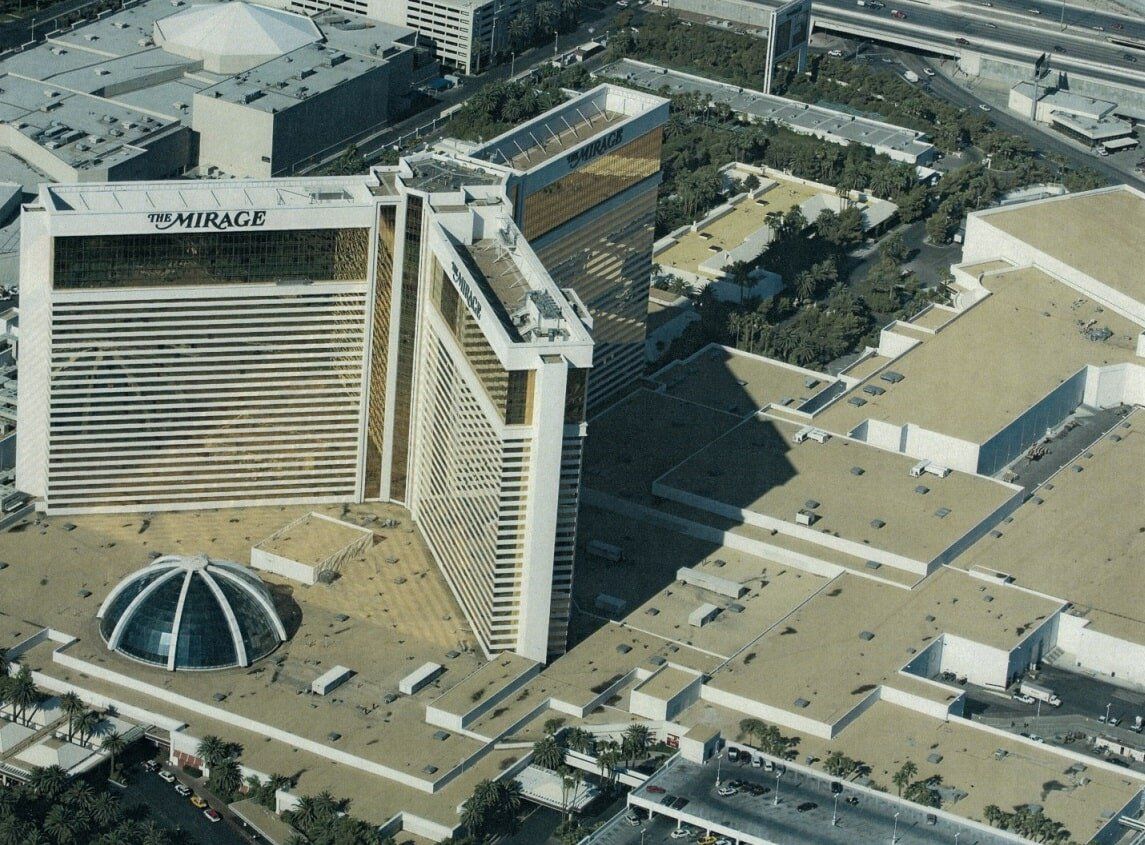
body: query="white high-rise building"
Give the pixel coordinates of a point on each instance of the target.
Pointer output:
(391, 336)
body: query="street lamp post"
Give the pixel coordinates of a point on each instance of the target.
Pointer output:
(895, 835)
(719, 760)
(778, 774)
(513, 66)
(835, 812)
(556, 40)
(956, 835)
(1107, 708)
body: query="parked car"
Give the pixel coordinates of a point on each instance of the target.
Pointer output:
(853, 800)
(680, 833)
(199, 801)
(167, 776)
(151, 766)
(964, 43)
(656, 790)
(183, 789)
(1058, 48)
(806, 807)
(929, 71)
(633, 819)
(983, 107)
(898, 14)
(727, 791)
(1025, 699)
(838, 54)
(212, 816)
(836, 787)
(680, 803)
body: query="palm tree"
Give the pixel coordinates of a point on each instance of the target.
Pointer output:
(211, 750)
(547, 754)
(73, 705)
(23, 694)
(579, 740)
(113, 744)
(104, 809)
(153, 834)
(904, 775)
(634, 745)
(752, 728)
(60, 824)
(304, 814)
(225, 778)
(5, 662)
(47, 782)
(87, 724)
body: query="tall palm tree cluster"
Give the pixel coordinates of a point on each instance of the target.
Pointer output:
(1032, 824)
(46, 811)
(323, 819)
(491, 811)
(18, 693)
(221, 758)
(768, 739)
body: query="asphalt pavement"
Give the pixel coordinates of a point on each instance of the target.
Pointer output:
(175, 812)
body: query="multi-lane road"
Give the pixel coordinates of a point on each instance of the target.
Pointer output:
(1006, 29)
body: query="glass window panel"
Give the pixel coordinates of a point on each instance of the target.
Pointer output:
(205, 640)
(147, 635)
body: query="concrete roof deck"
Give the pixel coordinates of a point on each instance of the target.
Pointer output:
(365, 620)
(613, 652)
(726, 379)
(488, 678)
(298, 193)
(643, 436)
(1064, 228)
(1026, 336)
(867, 367)
(746, 217)
(372, 798)
(818, 654)
(312, 539)
(666, 683)
(1084, 542)
(933, 317)
(986, 267)
(886, 736)
(758, 468)
(773, 590)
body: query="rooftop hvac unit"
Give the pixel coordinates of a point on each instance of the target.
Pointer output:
(806, 517)
(802, 434)
(918, 469)
(937, 469)
(819, 436)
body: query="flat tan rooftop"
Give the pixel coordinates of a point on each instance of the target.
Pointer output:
(312, 539)
(387, 613)
(820, 653)
(988, 366)
(747, 216)
(886, 736)
(861, 494)
(1084, 542)
(736, 382)
(1097, 233)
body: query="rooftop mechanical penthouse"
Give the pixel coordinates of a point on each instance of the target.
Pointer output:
(387, 337)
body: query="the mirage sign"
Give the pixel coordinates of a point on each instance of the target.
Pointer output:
(212, 221)
(597, 147)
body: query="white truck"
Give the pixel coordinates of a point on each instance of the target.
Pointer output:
(910, 76)
(1039, 693)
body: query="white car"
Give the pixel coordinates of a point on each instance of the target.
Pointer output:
(838, 54)
(1025, 699)
(680, 833)
(183, 789)
(983, 107)
(928, 71)
(726, 791)
(167, 776)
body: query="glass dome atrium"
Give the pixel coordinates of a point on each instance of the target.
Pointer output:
(191, 613)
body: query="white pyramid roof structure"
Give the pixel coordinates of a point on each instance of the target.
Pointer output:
(234, 36)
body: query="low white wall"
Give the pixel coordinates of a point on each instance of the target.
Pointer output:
(751, 707)
(284, 566)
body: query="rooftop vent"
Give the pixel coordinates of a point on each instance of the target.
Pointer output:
(872, 564)
(811, 504)
(857, 401)
(857, 470)
(873, 390)
(922, 489)
(942, 513)
(877, 523)
(441, 736)
(891, 377)
(802, 703)
(867, 636)
(624, 648)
